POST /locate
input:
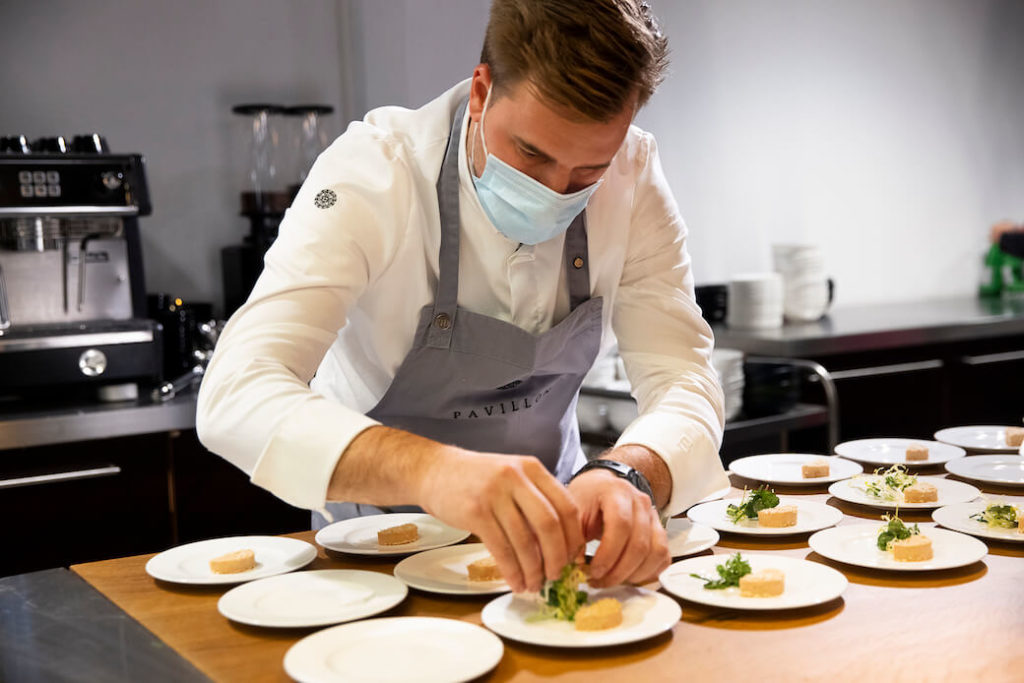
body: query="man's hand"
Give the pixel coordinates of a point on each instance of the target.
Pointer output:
(634, 546)
(522, 514)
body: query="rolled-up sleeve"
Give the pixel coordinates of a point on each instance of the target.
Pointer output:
(666, 345)
(255, 406)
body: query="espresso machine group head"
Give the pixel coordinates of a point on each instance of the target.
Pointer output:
(72, 291)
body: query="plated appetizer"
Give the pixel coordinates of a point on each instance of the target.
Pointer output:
(888, 485)
(564, 600)
(398, 535)
(906, 543)
(1001, 516)
(234, 562)
(763, 505)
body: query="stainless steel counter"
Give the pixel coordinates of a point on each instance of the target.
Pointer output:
(21, 428)
(882, 326)
(56, 627)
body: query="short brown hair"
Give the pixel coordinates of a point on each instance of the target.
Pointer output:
(588, 55)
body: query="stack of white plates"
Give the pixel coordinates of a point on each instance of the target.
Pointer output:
(728, 363)
(805, 283)
(755, 301)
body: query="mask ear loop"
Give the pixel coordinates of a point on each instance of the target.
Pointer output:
(479, 126)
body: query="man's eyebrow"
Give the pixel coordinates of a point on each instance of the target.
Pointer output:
(547, 157)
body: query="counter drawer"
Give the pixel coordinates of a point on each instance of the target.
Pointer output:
(62, 505)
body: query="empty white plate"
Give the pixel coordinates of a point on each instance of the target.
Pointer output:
(892, 451)
(810, 516)
(358, 536)
(991, 438)
(806, 583)
(991, 469)
(857, 544)
(313, 598)
(958, 518)
(785, 468)
(948, 490)
(443, 570)
(397, 649)
(644, 614)
(190, 563)
(684, 538)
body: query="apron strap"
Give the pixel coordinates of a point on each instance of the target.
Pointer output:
(443, 321)
(577, 266)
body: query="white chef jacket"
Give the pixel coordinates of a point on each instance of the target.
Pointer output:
(334, 312)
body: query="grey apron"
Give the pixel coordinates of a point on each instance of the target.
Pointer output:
(482, 383)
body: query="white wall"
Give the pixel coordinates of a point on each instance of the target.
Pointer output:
(159, 78)
(888, 131)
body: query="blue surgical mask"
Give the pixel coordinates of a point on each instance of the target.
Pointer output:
(521, 208)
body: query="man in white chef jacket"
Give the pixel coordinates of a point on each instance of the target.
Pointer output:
(439, 288)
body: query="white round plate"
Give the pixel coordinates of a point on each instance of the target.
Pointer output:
(313, 598)
(949, 492)
(856, 544)
(684, 538)
(644, 614)
(190, 563)
(1007, 470)
(395, 649)
(810, 516)
(958, 518)
(784, 468)
(807, 583)
(443, 570)
(893, 451)
(991, 438)
(358, 535)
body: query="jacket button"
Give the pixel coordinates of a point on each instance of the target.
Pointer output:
(443, 321)
(577, 262)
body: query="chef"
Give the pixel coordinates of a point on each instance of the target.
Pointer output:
(442, 283)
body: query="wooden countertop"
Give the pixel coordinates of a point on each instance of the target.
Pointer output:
(959, 624)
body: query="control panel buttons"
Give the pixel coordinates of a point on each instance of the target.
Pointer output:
(25, 177)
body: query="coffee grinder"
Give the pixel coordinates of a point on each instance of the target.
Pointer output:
(283, 143)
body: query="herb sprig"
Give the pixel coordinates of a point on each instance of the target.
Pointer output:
(729, 573)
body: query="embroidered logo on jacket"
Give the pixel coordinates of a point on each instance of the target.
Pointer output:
(325, 199)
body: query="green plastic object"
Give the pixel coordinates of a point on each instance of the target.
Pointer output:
(1004, 274)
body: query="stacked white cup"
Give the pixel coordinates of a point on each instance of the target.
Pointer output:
(728, 363)
(755, 301)
(805, 282)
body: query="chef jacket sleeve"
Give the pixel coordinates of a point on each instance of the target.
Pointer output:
(666, 345)
(256, 408)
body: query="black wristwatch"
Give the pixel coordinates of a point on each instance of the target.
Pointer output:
(624, 471)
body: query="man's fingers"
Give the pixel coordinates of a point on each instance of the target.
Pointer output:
(638, 544)
(658, 557)
(493, 537)
(524, 542)
(617, 518)
(565, 507)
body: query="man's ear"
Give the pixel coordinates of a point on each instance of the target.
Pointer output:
(478, 91)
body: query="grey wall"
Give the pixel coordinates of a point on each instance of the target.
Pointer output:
(159, 78)
(888, 131)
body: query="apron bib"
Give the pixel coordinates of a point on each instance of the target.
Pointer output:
(484, 384)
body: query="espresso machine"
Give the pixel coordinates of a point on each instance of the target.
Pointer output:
(72, 294)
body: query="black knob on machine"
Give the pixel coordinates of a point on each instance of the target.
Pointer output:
(54, 145)
(15, 144)
(91, 143)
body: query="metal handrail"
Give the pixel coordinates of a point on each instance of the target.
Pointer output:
(822, 375)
